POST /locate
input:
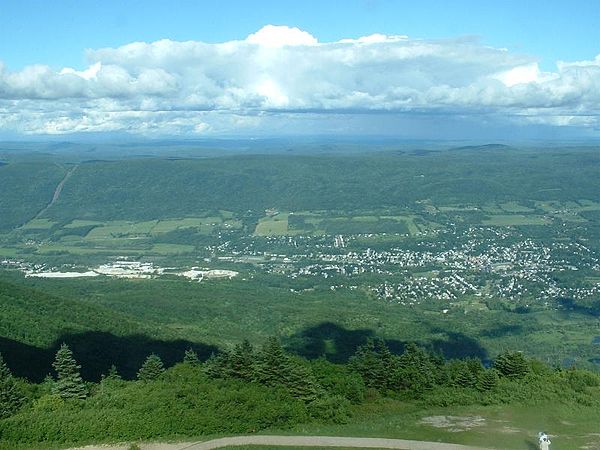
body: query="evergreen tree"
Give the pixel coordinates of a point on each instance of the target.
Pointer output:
(11, 397)
(273, 365)
(463, 372)
(191, 357)
(113, 374)
(69, 383)
(151, 369)
(474, 365)
(302, 384)
(416, 370)
(241, 361)
(370, 362)
(385, 355)
(487, 380)
(511, 365)
(439, 361)
(111, 380)
(465, 377)
(216, 366)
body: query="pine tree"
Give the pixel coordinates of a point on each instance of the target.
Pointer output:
(273, 365)
(511, 365)
(69, 383)
(191, 357)
(368, 362)
(416, 371)
(11, 397)
(487, 380)
(301, 383)
(151, 369)
(217, 366)
(464, 376)
(241, 361)
(113, 374)
(474, 365)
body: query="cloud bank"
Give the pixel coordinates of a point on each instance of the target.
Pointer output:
(279, 76)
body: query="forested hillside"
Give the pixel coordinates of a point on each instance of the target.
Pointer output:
(143, 189)
(34, 324)
(25, 189)
(160, 188)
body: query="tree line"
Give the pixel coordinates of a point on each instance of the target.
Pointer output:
(252, 388)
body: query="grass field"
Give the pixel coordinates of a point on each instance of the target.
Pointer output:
(172, 249)
(503, 427)
(273, 225)
(504, 220)
(121, 229)
(38, 224)
(205, 224)
(514, 207)
(328, 223)
(9, 252)
(78, 223)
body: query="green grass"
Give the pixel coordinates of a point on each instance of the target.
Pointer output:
(79, 223)
(322, 222)
(504, 220)
(505, 427)
(589, 205)
(110, 230)
(172, 249)
(515, 207)
(9, 252)
(53, 248)
(272, 226)
(492, 208)
(38, 224)
(204, 225)
(453, 208)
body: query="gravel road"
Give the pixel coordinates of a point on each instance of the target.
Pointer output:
(297, 441)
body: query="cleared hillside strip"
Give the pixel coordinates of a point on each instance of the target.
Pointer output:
(57, 191)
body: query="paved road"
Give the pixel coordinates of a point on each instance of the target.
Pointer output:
(298, 441)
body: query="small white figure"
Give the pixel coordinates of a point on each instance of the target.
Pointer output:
(544, 441)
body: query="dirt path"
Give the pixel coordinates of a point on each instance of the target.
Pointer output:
(297, 441)
(57, 191)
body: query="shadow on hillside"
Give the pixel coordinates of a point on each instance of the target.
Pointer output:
(571, 305)
(337, 344)
(458, 345)
(503, 330)
(328, 339)
(96, 352)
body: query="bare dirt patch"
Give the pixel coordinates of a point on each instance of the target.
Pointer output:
(454, 424)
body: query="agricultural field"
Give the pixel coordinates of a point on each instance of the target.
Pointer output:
(514, 220)
(273, 225)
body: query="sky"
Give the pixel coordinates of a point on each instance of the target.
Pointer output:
(430, 69)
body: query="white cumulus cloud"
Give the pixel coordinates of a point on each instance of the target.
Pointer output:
(280, 73)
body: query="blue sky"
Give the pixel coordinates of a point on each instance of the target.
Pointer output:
(70, 34)
(56, 32)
